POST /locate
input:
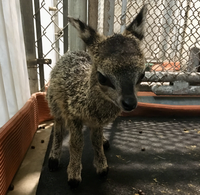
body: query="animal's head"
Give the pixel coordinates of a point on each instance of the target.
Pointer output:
(118, 62)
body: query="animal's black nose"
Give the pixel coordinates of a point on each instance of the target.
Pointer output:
(129, 103)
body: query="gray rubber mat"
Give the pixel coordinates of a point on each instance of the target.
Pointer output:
(146, 156)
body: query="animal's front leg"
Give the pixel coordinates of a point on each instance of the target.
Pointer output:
(75, 148)
(100, 161)
(54, 157)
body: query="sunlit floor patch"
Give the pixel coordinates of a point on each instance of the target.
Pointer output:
(27, 177)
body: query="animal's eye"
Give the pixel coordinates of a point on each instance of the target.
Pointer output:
(103, 80)
(140, 78)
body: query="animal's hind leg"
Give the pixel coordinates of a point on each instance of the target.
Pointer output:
(75, 148)
(100, 161)
(54, 157)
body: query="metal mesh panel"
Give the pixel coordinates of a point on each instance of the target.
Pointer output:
(171, 43)
(172, 32)
(51, 32)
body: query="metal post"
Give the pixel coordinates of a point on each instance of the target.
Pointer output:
(65, 24)
(185, 26)
(56, 31)
(93, 14)
(77, 9)
(39, 42)
(29, 41)
(100, 16)
(167, 21)
(123, 17)
(109, 9)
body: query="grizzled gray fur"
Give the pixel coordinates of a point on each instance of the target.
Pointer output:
(92, 89)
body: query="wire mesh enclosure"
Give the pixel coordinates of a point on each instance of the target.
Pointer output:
(171, 45)
(48, 34)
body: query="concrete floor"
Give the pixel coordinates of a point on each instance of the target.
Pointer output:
(26, 179)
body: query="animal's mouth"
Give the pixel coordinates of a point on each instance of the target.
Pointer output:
(129, 110)
(124, 107)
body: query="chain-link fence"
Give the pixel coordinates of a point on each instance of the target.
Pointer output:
(49, 42)
(171, 44)
(172, 29)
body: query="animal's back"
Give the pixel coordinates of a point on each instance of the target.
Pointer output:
(69, 82)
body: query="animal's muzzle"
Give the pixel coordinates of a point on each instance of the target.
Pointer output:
(129, 103)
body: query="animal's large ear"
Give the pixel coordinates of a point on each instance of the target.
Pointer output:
(136, 27)
(87, 33)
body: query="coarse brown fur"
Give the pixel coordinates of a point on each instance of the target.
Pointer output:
(93, 89)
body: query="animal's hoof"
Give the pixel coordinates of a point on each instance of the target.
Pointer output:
(106, 145)
(73, 183)
(104, 172)
(53, 164)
